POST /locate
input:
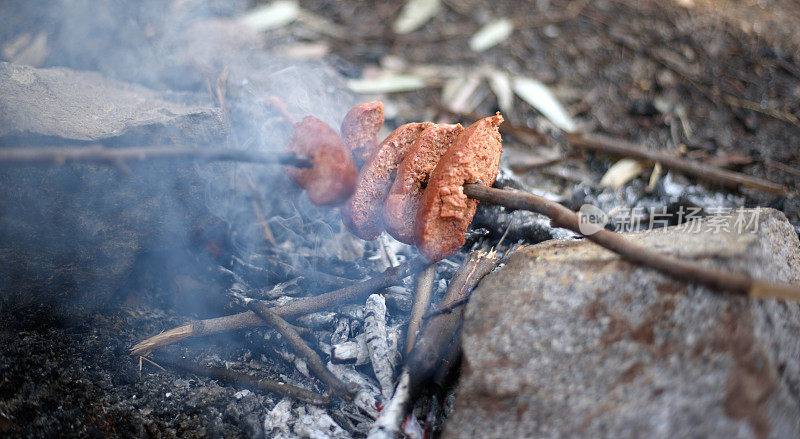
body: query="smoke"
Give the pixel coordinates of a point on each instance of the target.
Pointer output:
(71, 234)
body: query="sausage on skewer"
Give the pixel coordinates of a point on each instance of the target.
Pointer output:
(360, 129)
(400, 209)
(362, 213)
(445, 211)
(332, 177)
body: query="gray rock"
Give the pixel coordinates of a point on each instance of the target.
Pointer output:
(69, 235)
(87, 106)
(568, 340)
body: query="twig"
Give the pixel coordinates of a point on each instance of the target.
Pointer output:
(436, 343)
(249, 381)
(596, 142)
(436, 340)
(754, 106)
(422, 300)
(351, 293)
(100, 154)
(299, 345)
(446, 310)
(778, 165)
(560, 216)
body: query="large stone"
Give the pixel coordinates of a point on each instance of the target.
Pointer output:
(69, 234)
(568, 340)
(87, 106)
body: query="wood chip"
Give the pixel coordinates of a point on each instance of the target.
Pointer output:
(387, 84)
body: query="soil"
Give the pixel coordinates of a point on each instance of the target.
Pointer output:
(711, 79)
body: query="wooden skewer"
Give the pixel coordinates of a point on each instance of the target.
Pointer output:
(100, 154)
(561, 216)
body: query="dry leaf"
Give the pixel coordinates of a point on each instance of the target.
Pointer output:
(387, 84)
(491, 34)
(539, 97)
(457, 92)
(271, 16)
(306, 50)
(658, 171)
(622, 172)
(500, 84)
(414, 14)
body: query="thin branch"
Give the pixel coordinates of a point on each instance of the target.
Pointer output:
(245, 380)
(422, 300)
(729, 179)
(561, 216)
(352, 293)
(783, 167)
(300, 347)
(435, 345)
(100, 154)
(436, 340)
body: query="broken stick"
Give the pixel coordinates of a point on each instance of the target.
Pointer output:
(729, 179)
(300, 347)
(352, 293)
(245, 380)
(422, 300)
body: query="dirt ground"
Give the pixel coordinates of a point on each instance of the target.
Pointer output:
(715, 81)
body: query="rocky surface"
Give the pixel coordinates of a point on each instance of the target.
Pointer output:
(567, 340)
(70, 234)
(87, 106)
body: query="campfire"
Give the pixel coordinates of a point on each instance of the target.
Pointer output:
(274, 255)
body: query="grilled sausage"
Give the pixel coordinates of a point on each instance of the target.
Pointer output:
(362, 213)
(445, 212)
(360, 129)
(400, 209)
(332, 177)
